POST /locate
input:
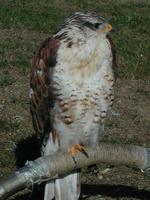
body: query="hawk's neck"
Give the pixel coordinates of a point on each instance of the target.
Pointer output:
(83, 58)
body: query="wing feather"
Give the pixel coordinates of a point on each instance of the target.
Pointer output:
(41, 98)
(114, 61)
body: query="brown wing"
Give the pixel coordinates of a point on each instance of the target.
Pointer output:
(40, 93)
(114, 56)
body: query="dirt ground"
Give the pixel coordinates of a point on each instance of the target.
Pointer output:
(131, 125)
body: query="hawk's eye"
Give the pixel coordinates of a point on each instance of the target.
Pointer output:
(97, 25)
(89, 25)
(92, 26)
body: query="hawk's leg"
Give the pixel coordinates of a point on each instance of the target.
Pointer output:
(75, 148)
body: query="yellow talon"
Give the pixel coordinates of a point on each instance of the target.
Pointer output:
(75, 148)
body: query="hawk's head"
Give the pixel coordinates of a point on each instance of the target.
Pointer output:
(89, 20)
(84, 24)
(83, 33)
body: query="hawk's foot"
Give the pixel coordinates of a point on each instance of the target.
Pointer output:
(75, 148)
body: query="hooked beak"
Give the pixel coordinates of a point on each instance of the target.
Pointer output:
(106, 28)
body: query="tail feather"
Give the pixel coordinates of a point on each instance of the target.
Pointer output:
(64, 188)
(49, 191)
(68, 187)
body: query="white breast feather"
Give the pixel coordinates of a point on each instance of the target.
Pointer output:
(80, 72)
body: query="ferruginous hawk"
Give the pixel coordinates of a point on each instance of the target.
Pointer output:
(71, 92)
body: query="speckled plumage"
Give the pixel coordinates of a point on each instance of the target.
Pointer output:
(71, 90)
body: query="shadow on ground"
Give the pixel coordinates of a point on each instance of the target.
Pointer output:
(28, 149)
(105, 191)
(116, 191)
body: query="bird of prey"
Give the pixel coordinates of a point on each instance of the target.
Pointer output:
(71, 92)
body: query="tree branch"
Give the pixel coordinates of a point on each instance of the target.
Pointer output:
(51, 167)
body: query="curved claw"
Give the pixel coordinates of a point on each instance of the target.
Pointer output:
(75, 148)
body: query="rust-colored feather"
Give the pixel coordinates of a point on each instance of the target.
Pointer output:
(114, 62)
(42, 97)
